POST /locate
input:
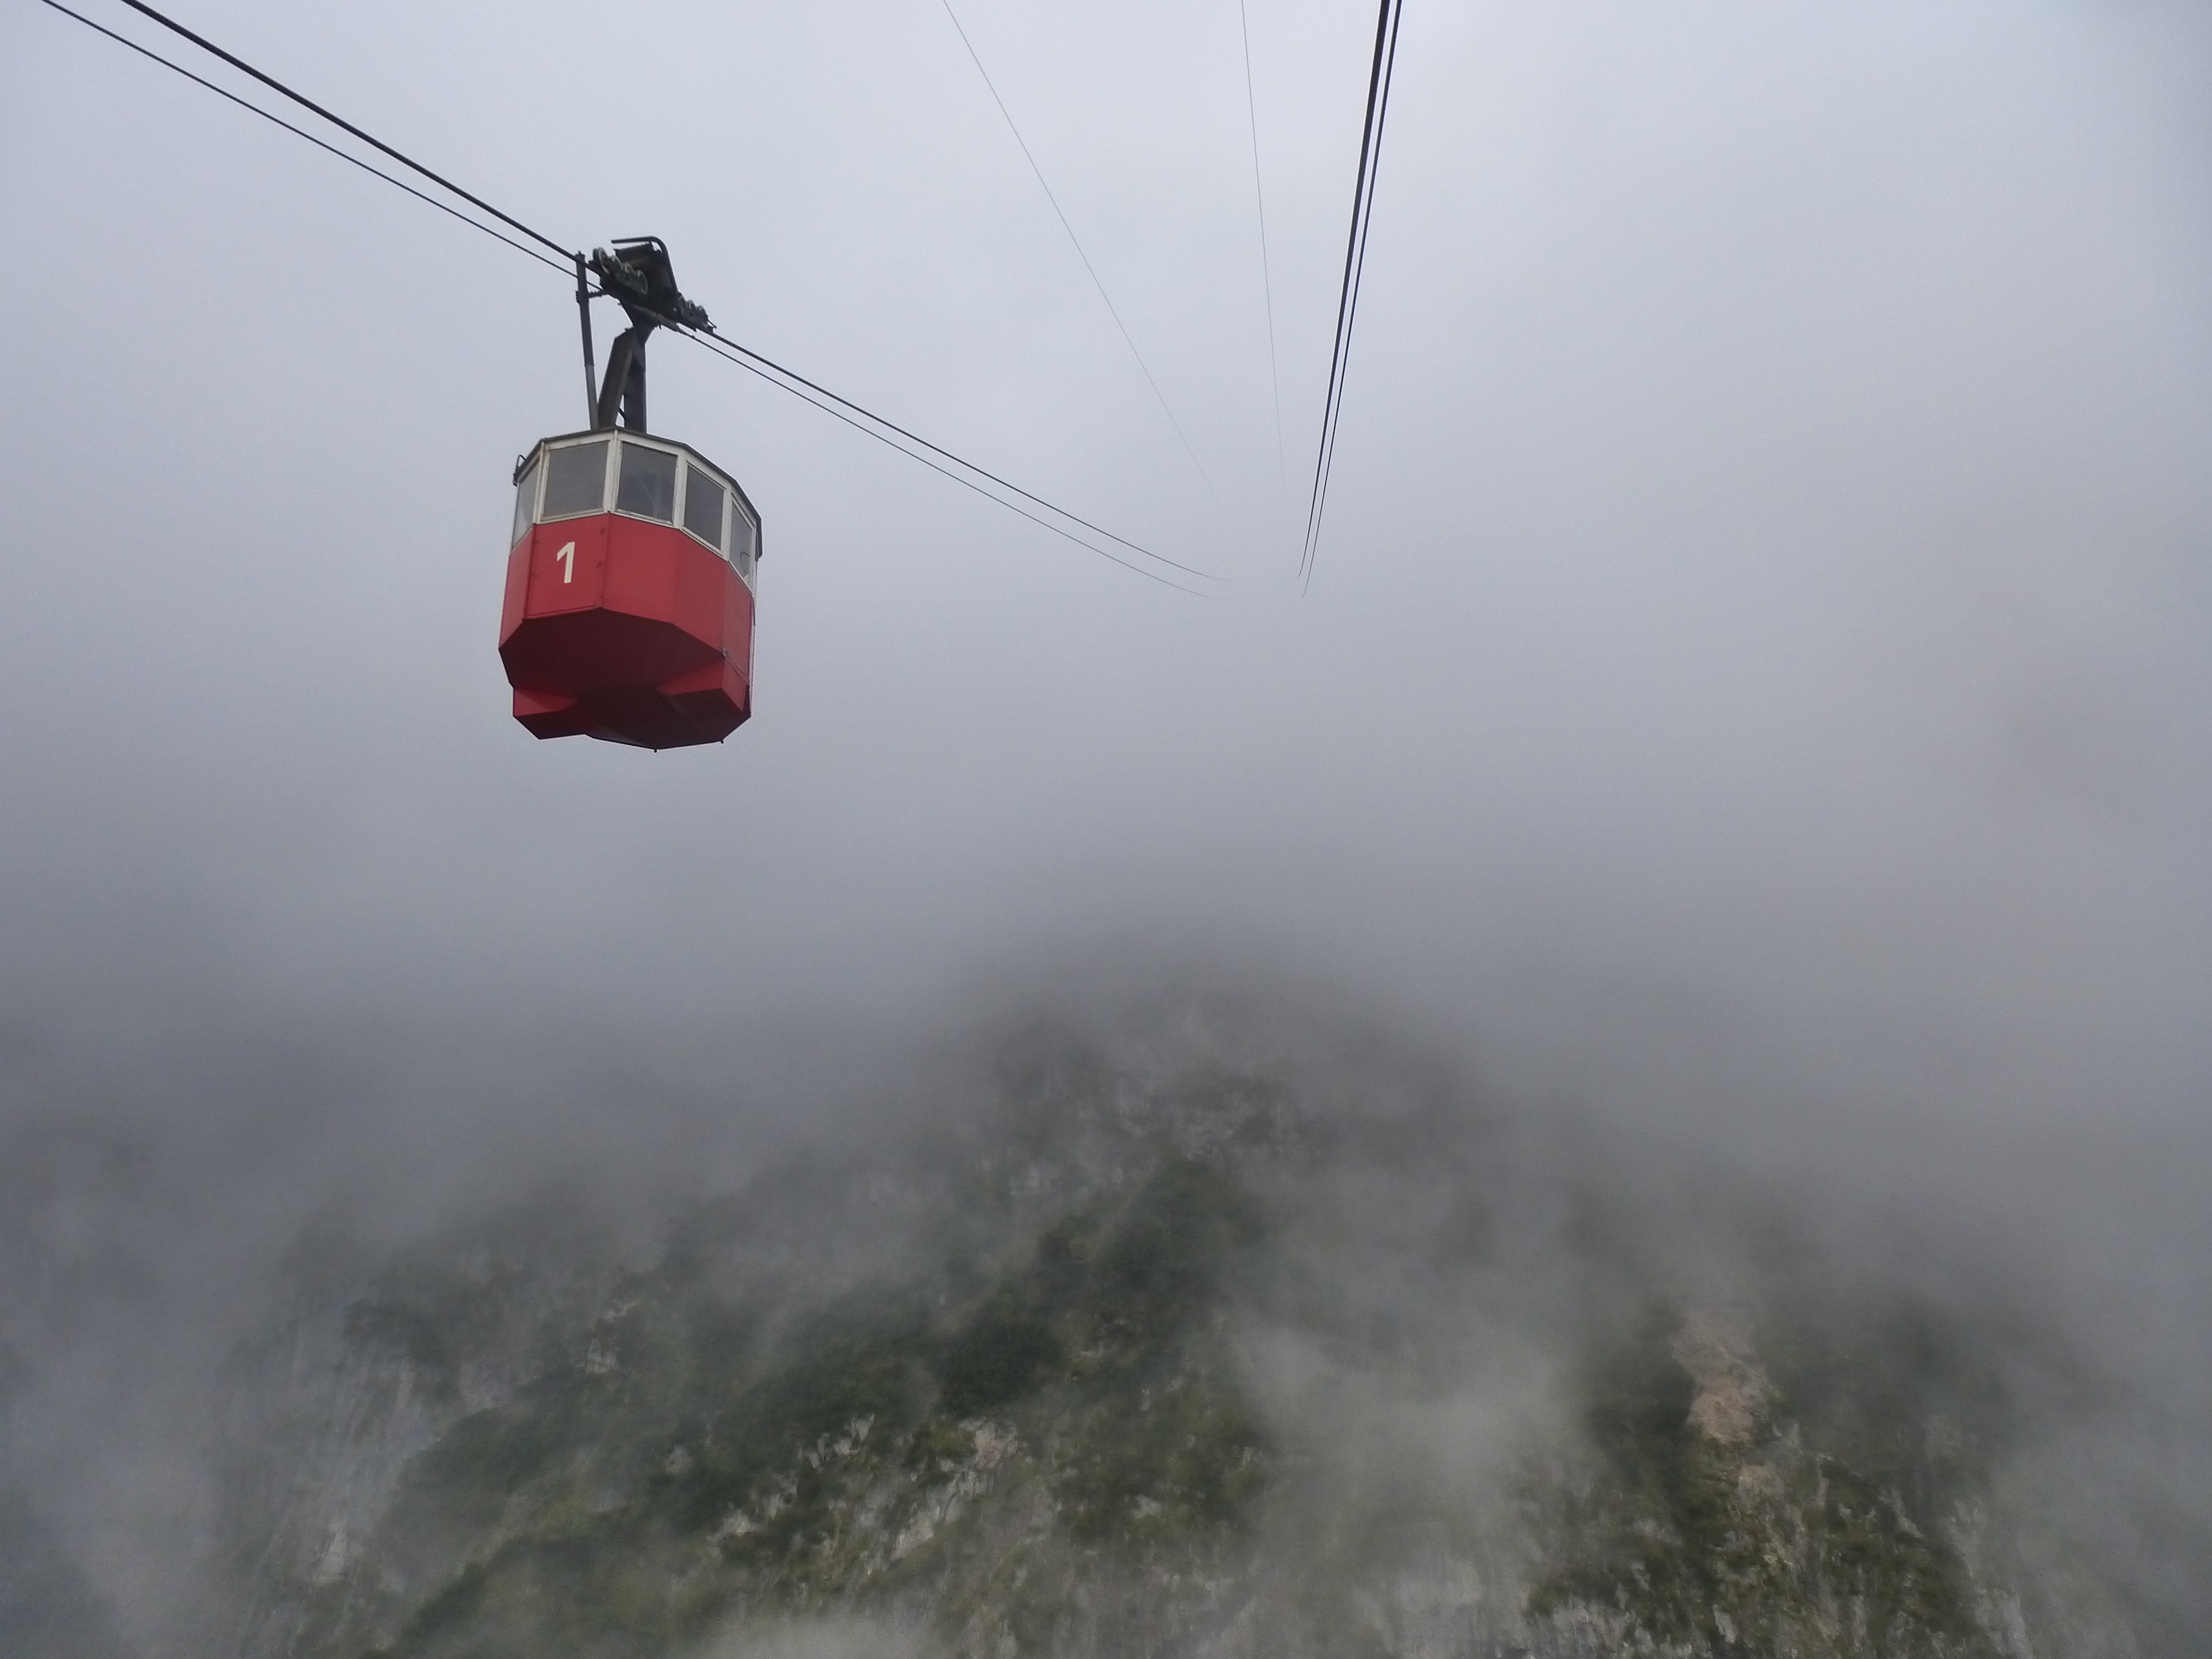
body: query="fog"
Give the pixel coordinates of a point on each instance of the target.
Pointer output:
(1751, 693)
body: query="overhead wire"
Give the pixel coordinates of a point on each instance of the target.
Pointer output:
(1267, 271)
(894, 426)
(790, 379)
(763, 367)
(302, 132)
(1355, 265)
(345, 125)
(1076, 242)
(828, 403)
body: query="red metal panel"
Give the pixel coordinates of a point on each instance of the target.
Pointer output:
(518, 585)
(633, 632)
(737, 622)
(643, 561)
(568, 565)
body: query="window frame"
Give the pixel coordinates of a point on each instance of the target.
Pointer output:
(737, 511)
(741, 514)
(624, 440)
(606, 468)
(523, 523)
(693, 463)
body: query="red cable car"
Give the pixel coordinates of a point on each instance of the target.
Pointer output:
(630, 587)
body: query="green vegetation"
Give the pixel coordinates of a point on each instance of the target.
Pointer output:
(1797, 1539)
(1654, 1533)
(990, 1391)
(688, 1458)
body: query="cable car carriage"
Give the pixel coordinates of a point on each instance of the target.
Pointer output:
(629, 614)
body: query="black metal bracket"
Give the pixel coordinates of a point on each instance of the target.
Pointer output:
(637, 276)
(584, 318)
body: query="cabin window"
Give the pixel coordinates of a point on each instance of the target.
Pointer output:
(576, 480)
(744, 548)
(648, 484)
(525, 503)
(702, 507)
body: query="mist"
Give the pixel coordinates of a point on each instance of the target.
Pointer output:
(1747, 728)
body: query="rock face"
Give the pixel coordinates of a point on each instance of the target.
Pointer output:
(1159, 1341)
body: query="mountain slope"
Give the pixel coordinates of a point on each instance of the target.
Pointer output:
(1178, 1333)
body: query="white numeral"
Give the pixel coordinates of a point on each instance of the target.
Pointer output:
(567, 557)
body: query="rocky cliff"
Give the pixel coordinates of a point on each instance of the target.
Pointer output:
(1157, 1338)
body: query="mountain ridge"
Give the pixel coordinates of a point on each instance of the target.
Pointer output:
(1162, 1342)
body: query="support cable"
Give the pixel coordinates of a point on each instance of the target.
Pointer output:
(302, 132)
(1355, 265)
(828, 402)
(345, 125)
(791, 381)
(1076, 243)
(1267, 272)
(570, 262)
(971, 465)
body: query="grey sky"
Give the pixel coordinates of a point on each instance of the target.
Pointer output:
(1766, 556)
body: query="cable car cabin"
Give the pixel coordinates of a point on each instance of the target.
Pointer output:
(629, 592)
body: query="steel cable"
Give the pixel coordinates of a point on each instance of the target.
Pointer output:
(302, 132)
(1266, 269)
(1076, 243)
(1355, 265)
(765, 368)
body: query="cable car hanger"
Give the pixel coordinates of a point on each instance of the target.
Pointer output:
(638, 277)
